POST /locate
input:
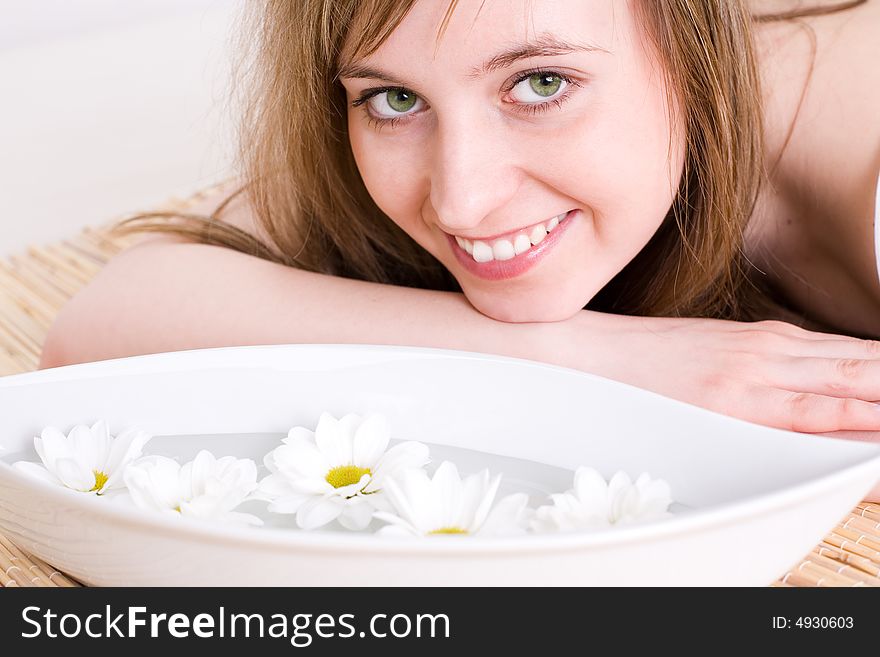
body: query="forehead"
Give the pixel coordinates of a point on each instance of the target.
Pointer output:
(475, 30)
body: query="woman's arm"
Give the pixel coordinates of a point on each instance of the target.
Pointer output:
(168, 295)
(165, 296)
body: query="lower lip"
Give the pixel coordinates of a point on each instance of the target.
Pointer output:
(496, 270)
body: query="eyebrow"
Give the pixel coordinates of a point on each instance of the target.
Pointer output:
(546, 45)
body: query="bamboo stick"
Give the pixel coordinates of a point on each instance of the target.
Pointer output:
(864, 525)
(858, 538)
(88, 250)
(16, 317)
(56, 577)
(33, 570)
(58, 265)
(850, 545)
(76, 260)
(26, 297)
(842, 569)
(12, 568)
(9, 365)
(34, 270)
(854, 560)
(19, 339)
(53, 297)
(823, 576)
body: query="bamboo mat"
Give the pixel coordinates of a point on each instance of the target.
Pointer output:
(34, 286)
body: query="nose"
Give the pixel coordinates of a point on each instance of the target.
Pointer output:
(474, 174)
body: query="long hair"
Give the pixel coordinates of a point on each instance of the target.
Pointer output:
(299, 174)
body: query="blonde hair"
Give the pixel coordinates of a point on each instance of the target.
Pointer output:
(301, 179)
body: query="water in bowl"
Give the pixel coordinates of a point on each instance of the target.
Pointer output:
(537, 480)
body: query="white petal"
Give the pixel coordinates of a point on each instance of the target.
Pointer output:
(301, 459)
(269, 462)
(356, 515)
(509, 517)
(51, 446)
(446, 496)
(126, 447)
(398, 497)
(154, 482)
(299, 433)
(201, 507)
(333, 443)
(102, 441)
(272, 486)
(201, 471)
(414, 498)
(311, 485)
(482, 511)
(543, 520)
(72, 475)
(318, 511)
(402, 530)
(409, 454)
(370, 441)
(590, 487)
(84, 448)
(288, 503)
(379, 501)
(396, 526)
(348, 425)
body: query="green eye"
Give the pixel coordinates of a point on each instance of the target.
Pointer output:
(400, 100)
(545, 84)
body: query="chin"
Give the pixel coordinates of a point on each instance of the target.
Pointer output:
(520, 312)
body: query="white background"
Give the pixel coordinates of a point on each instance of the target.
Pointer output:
(109, 107)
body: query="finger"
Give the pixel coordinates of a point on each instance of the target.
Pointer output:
(857, 378)
(792, 330)
(842, 347)
(788, 338)
(810, 412)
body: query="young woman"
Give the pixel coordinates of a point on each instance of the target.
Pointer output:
(678, 194)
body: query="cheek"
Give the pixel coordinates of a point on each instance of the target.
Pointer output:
(628, 166)
(389, 171)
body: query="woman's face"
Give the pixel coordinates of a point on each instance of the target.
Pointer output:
(527, 113)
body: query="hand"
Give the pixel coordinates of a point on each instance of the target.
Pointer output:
(768, 372)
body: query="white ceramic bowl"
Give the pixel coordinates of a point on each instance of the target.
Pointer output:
(753, 500)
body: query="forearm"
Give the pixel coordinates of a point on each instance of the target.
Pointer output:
(188, 296)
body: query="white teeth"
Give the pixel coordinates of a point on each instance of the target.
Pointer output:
(503, 250)
(538, 234)
(521, 244)
(482, 252)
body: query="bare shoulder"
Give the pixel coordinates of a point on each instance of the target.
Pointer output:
(822, 100)
(814, 220)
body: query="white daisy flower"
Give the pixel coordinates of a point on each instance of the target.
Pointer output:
(87, 459)
(594, 503)
(337, 472)
(206, 487)
(446, 504)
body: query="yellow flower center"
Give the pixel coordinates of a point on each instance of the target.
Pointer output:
(345, 475)
(448, 530)
(100, 479)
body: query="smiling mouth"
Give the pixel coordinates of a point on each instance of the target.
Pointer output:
(512, 244)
